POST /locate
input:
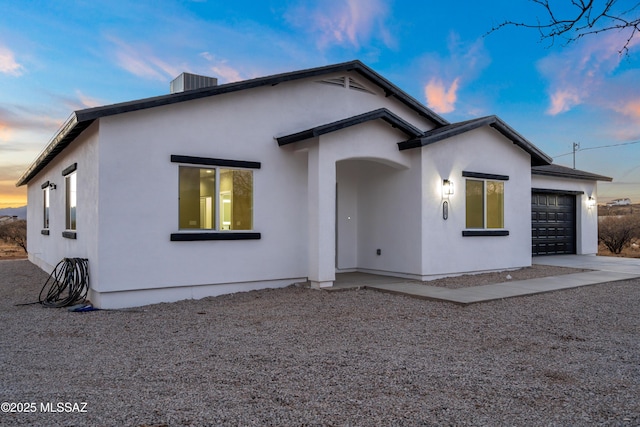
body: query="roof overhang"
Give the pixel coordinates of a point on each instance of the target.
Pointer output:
(565, 172)
(538, 157)
(65, 135)
(382, 114)
(82, 119)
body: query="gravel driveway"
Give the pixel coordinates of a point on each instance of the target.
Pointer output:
(297, 356)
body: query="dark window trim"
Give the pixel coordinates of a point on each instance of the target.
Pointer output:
(480, 175)
(45, 185)
(70, 169)
(193, 237)
(542, 190)
(215, 162)
(45, 232)
(473, 233)
(69, 234)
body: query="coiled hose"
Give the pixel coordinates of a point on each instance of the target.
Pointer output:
(68, 283)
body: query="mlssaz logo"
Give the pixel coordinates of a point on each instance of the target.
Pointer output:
(67, 407)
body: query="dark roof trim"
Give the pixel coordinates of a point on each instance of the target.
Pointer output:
(389, 88)
(65, 135)
(175, 158)
(381, 113)
(481, 175)
(551, 191)
(537, 156)
(82, 119)
(565, 172)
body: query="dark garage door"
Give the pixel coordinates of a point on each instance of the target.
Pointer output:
(553, 223)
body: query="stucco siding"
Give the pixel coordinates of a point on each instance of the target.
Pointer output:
(139, 187)
(47, 251)
(445, 249)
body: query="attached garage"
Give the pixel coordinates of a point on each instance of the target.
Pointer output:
(564, 215)
(553, 223)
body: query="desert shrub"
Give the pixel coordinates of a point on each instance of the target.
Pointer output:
(15, 233)
(617, 232)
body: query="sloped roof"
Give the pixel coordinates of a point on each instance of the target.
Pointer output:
(381, 113)
(565, 172)
(447, 131)
(82, 119)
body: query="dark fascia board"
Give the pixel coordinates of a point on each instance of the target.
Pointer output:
(82, 119)
(65, 135)
(551, 191)
(537, 156)
(381, 113)
(565, 172)
(389, 88)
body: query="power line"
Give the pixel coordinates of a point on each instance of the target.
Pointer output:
(594, 148)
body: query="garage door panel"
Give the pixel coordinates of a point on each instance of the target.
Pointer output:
(553, 223)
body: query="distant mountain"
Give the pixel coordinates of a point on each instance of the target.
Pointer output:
(19, 212)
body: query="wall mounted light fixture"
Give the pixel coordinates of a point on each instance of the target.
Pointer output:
(52, 186)
(591, 202)
(447, 188)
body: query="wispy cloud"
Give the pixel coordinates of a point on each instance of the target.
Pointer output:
(446, 74)
(563, 100)
(222, 69)
(141, 61)
(8, 63)
(440, 98)
(585, 73)
(352, 23)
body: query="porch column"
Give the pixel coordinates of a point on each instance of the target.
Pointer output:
(322, 227)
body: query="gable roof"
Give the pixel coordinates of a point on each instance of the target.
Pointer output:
(82, 119)
(565, 172)
(381, 113)
(447, 131)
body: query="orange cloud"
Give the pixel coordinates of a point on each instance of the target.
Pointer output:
(10, 196)
(8, 64)
(563, 100)
(630, 108)
(440, 98)
(587, 74)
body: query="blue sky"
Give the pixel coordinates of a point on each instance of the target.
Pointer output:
(61, 56)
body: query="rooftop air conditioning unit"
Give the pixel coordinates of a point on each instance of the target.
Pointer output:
(188, 81)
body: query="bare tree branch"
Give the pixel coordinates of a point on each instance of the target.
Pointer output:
(585, 19)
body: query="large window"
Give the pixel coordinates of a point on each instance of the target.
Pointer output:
(70, 183)
(484, 204)
(215, 198)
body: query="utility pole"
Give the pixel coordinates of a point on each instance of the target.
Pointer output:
(576, 147)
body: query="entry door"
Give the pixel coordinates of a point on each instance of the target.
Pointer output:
(553, 223)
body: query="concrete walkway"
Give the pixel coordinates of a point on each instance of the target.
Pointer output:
(606, 269)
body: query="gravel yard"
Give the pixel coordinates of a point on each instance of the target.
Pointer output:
(297, 356)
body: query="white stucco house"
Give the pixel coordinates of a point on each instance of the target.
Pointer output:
(289, 178)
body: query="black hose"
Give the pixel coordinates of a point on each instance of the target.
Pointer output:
(68, 283)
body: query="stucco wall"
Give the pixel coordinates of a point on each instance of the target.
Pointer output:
(138, 188)
(445, 250)
(586, 218)
(387, 199)
(47, 250)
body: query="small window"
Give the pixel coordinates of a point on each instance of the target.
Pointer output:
(484, 204)
(70, 184)
(215, 196)
(45, 204)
